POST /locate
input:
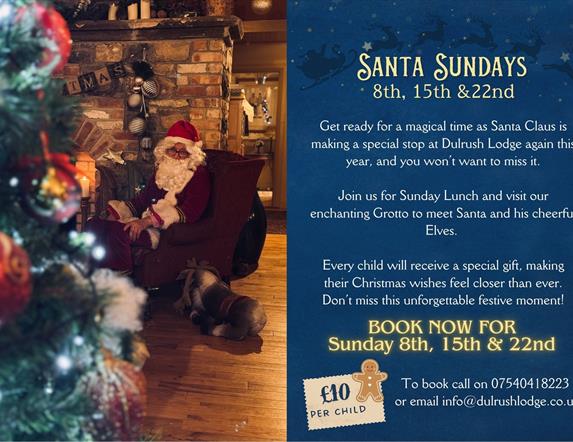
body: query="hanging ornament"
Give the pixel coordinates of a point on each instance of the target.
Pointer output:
(137, 126)
(134, 100)
(150, 88)
(142, 69)
(51, 192)
(57, 38)
(146, 143)
(118, 392)
(146, 149)
(15, 281)
(139, 352)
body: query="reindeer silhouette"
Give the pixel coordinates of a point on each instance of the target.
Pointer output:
(389, 42)
(319, 67)
(435, 35)
(564, 68)
(530, 49)
(485, 41)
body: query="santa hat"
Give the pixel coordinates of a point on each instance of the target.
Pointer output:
(183, 132)
(183, 129)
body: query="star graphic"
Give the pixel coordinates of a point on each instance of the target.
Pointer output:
(367, 46)
(565, 57)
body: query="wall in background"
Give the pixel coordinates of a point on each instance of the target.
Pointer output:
(261, 57)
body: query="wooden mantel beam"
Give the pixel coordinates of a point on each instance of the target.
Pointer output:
(228, 28)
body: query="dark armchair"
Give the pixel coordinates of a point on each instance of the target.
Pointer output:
(213, 238)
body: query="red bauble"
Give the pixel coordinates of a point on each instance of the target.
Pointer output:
(56, 32)
(15, 281)
(51, 194)
(118, 393)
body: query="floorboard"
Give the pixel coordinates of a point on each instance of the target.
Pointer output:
(208, 388)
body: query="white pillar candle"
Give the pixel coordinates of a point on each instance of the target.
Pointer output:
(145, 9)
(85, 185)
(132, 11)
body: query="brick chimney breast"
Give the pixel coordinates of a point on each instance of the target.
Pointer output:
(192, 62)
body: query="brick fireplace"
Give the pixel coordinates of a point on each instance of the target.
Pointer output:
(192, 61)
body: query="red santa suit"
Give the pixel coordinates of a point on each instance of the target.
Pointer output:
(178, 192)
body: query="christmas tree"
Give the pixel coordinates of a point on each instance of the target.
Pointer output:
(69, 356)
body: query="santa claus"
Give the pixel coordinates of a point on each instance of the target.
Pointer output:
(177, 192)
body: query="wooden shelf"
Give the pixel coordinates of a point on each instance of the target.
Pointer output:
(229, 28)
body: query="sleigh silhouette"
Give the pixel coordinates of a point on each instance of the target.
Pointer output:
(319, 66)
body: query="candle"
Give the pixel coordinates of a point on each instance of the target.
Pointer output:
(132, 11)
(85, 185)
(145, 9)
(112, 11)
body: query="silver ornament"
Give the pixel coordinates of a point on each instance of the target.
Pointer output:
(136, 126)
(138, 81)
(150, 88)
(134, 100)
(146, 143)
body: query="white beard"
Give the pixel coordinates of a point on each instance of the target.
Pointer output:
(172, 175)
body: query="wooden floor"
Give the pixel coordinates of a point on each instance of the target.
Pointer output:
(208, 388)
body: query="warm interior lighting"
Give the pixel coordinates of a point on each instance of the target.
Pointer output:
(261, 7)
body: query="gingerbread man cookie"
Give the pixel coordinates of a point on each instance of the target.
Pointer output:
(370, 377)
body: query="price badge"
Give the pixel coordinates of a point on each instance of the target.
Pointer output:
(351, 399)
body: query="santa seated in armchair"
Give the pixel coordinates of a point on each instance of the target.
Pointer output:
(177, 192)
